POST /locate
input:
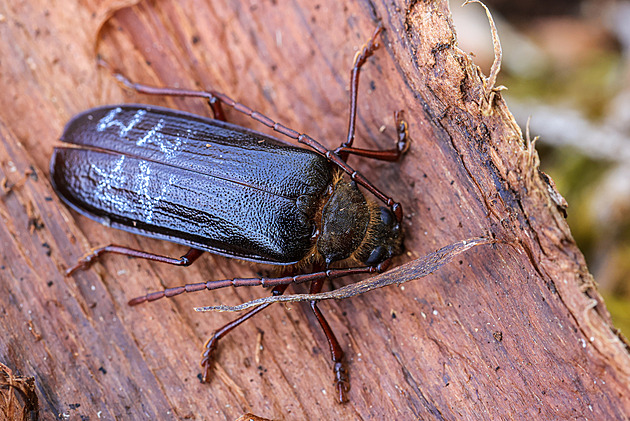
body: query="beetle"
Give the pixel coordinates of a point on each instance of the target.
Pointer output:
(232, 191)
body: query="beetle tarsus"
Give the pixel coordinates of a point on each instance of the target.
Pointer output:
(401, 145)
(342, 382)
(206, 357)
(402, 129)
(87, 260)
(82, 264)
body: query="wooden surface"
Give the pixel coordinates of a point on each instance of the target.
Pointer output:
(507, 331)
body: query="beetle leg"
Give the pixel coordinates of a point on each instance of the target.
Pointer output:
(186, 260)
(359, 60)
(211, 96)
(211, 344)
(342, 382)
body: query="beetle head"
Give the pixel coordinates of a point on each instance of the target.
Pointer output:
(357, 229)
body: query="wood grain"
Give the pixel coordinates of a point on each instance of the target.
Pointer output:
(503, 333)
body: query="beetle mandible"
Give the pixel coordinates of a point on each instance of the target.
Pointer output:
(225, 189)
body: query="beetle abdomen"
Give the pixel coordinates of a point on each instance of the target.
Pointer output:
(191, 180)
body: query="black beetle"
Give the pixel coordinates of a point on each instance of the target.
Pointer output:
(216, 187)
(222, 188)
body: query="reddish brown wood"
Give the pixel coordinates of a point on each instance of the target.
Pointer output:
(506, 332)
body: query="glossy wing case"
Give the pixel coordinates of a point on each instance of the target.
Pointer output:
(192, 180)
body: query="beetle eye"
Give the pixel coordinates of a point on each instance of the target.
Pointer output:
(387, 216)
(378, 255)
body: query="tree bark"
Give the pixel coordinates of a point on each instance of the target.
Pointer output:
(512, 330)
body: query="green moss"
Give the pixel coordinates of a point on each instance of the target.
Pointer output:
(619, 308)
